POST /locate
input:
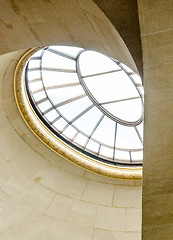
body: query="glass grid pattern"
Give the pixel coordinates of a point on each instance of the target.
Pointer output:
(91, 101)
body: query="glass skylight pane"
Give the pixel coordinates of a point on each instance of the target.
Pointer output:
(73, 109)
(91, 105)
(93, 146)
(35, 86)
(39, 96)
(34, 64)
(60, 124)
(38, 53)
(127, 68)
(105, 133)
(141, 89)
(106, 152)
(140, 128)
(81, 140)
(137, 156)
(116, 85)
(136, 78)
(69, 132)
(129, 110)
(44, 106)
(51, 115)
(122, 155)
(73, 51)
(58, 78)
(92, 62)
(33, 75)
(62, 94)
(127, 138)
(88, 121)
(51, 60)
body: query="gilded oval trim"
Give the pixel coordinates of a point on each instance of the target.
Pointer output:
(52, 141)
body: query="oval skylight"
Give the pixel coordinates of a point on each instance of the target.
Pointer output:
(92, 102)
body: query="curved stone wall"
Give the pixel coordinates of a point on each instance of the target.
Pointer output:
(156, 20)
(43, 196)
(25, 24)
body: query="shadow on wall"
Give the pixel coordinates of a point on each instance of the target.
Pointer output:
(80, 23)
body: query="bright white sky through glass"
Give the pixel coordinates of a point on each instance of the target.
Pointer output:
(91, 100)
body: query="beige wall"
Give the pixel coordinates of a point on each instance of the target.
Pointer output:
(43, 196)
(123, 14)
(156, 21)
(28, 23)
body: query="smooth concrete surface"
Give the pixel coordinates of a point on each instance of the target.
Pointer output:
(156, 20)
(44, 197)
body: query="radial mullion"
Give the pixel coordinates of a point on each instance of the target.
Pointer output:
(120, 100)
(81, 114)
(115, 136)
(94, 129)
(41, 101)
(56, 119)
(130, 156)
(99, 150)
(35, 80)
(38, 90)
(57, 70)
(62, 86)
(102, 73)
(35, 58)
(77, 117)
(50, 109)
(34, 69)
(139, 85)
(69, 100)
(74, 136)
(63, 103)
(61, 54)
(66, 126)
(139, 136)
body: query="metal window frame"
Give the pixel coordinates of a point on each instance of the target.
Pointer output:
(110, 170)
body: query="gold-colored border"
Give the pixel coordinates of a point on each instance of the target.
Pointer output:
(52, 141)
